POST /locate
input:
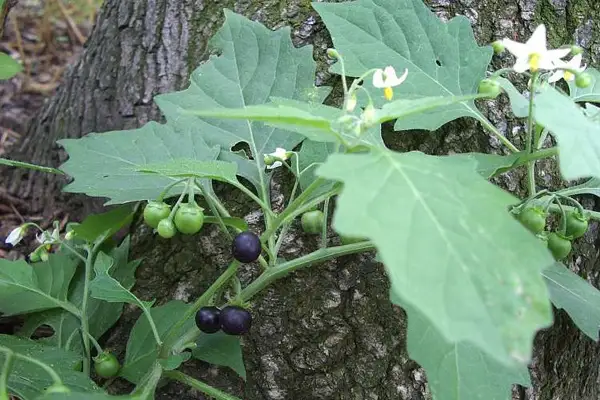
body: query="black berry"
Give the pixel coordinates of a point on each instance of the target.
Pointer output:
(246, 247)
(207, 319)
(235, 320)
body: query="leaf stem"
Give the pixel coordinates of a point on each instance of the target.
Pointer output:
(95, 343)
(8, 363)
(490, 127)
(85, 328)
(199, 385)
(324, 229)
(529, 137)
(213, 209)
(595, 215)
(20, 164)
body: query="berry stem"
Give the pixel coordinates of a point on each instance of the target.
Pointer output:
(200, 386)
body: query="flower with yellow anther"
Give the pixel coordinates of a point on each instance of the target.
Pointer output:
(573, 64)
(533, 54)
(386, 79)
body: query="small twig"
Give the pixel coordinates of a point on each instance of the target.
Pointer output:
(72, 25)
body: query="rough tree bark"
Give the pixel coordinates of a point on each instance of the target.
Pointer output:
(324, 333)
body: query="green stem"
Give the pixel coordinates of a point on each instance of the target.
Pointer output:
(95, 343)
(324, 229)
(8, 363)
(490, 127)
(318, 256)
(213, 209)
(200, 302)
(529, 138)
(166, 190)
(578, 205)
(199, 385)
(85, 328)
(595, 215)
(256, 199)
(148, 315)
(526, 158)
(291, 208)
(20, 164)
(563, 220)
(286, 226)
(72, 250)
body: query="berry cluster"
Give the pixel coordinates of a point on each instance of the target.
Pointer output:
(575, 224)
(233, 320)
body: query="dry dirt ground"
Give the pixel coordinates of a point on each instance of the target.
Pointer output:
(46, 36)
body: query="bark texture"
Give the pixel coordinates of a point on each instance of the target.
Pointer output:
(324, 333)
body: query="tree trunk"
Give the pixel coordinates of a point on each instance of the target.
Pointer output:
(325, 333)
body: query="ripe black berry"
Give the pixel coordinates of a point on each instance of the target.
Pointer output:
(246, 247)
(235, 320)
(207, 319)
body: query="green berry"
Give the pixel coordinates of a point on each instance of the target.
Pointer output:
(577, 225)
(155, 212)
(489, 87)
(559, 246)
(166, 228)
(189, 219)
(583, 80)
(313, 221)
(533, 218)
(106, 365)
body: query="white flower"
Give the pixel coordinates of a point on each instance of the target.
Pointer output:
(49, 238)
(274, 160)
(16, 235)
(574, 64)
(386, 79)
(533, 55)
(351, 103)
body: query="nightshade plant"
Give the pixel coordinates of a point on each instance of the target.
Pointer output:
(471, 264)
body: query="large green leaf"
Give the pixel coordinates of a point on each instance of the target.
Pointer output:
(142, 350)
(29, 380)
(590, 93)
(9, 67)
(26, 288)
(459, 370)
(101, 314)
(221, 349)
(108, 164)
(102, 226)
(591, 186)
(182, 167)
(577, 136)
(451, 249)
(576, 296)
(254, 64)
(442, 59)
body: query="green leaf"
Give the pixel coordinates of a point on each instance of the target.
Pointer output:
(518, 102)
(592, 186)
(590, 93)
(459, 370)
(443, 59)
(221, 349)
(254, 64)
(237, 223)
(107, 288)
(489, 165)
(174, 361)
(578, 137)
(28, 380)
(9, 67)
(26, 288)
(101, 314)
(576, 296)
(182, 168)
(451, 249)
(102, 226)
(142, 350)
(107, 164)
(311, 155)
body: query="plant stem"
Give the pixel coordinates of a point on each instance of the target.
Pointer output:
(166, 190)
(213, 209)
(148, 315)
(595, 215)
(291, 208)
(8, 363)
(536, 155)
(200, 302)
(529, 137)
(490, 127)
(324, 229)
(85, 328)
(318, 256)
(95, 343)
(199, 385)
(72, 250)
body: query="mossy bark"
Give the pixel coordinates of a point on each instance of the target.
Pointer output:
(328, 332)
